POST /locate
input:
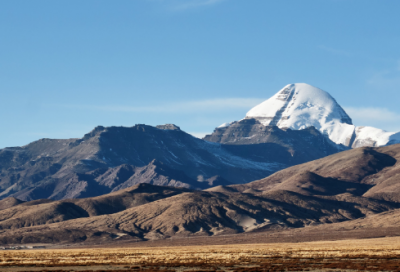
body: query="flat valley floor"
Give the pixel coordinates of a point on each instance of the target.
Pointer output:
(378, 254)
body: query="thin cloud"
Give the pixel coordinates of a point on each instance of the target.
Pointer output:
(372, 114)
(382, 118)
(177, 107)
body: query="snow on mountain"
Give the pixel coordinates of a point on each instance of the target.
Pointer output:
(225, 125)
(370, 136)
(298, 106)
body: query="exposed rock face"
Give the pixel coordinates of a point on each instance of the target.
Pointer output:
(307, 142)
(168, 127)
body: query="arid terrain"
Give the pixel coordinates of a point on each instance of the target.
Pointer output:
(382, 254)
(347, 192)
(339, 213)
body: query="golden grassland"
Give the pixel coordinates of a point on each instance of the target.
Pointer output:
(382, 254)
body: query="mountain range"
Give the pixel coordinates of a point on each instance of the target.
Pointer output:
(300, 123)
(294, 161)
(333, 191)
(108, 159)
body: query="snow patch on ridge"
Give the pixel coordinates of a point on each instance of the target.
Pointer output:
(370, 136)
(224, 125)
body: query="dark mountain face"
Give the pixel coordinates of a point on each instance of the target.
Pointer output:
(308, 142)
(108, 159)
(104, 180)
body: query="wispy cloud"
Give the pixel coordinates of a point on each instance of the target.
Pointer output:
(175, 107)
(382, 118)
(372, 114)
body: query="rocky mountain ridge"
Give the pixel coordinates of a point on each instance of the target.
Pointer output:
(113, 158)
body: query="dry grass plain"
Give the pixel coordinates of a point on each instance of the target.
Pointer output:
(381, 254)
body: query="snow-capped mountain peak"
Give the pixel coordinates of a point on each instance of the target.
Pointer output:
(298, 106)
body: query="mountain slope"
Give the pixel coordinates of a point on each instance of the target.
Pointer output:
(105, 180)
(9, 202)
(40, 213)
(368, 172)
(192, 213)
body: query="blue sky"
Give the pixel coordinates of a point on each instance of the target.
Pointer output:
(67, 66)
